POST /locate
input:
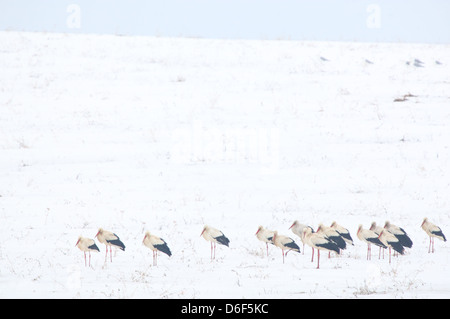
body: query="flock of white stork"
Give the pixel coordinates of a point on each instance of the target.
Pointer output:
(332, 239)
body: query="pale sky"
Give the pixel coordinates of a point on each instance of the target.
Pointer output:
(425, 21)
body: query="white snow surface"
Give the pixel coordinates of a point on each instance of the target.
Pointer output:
(136, 134)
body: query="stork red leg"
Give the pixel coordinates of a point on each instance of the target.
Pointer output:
(318, 258)
(211, 251)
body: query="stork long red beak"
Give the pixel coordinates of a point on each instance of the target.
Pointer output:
(77, 243)
(257, 231)
(292, 225)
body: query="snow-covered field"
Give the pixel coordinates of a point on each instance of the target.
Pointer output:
(134, 134)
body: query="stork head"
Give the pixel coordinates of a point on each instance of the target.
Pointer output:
(100, 231)
(147, 234)
(359, 229)
(293, 224)
(259, 229)
(204, 229)
(424, 221)
(79, 238)
(373, 225)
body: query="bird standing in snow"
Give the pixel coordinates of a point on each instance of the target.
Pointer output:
(377, 230)
(345, 234)
(109, 239)
(297, 229)
(391, 241)
(369, 237)
(319, 241)
(399, 233)
(156, 244)
(214, 236)
(265, 235)
(285, 243)
(86, 245)
(333, 235)
(432, 231)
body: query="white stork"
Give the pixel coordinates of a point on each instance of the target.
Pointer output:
(344, 232)
(377, 230)
(319, 241)
(391, 241)
(333, 235)
(86, 245)
(369, 237)
(399, 233)
(432, 231)
(265, 235)
(156, 244)
(109, 239)
(214, 236)
(285, 243)
(297, 229)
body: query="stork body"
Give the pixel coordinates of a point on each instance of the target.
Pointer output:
(399, 233)
(333, 235)
(370, 238)
(109, 239)
(391, 241)
(156, 244)
(319, 241)
(432, 231)
(297, 229)
(86, 245)
(377, 230)
(265, 235)
(214, 236)
(285, 243)
(344, 232)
